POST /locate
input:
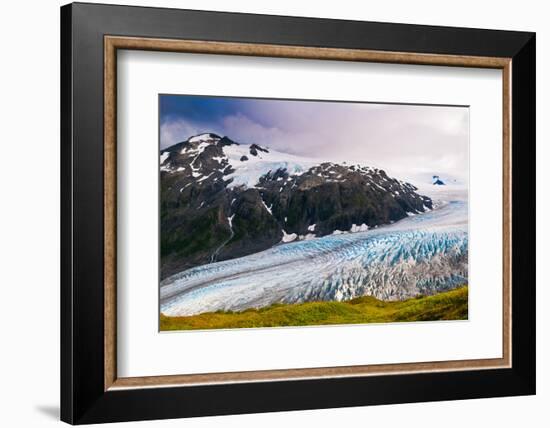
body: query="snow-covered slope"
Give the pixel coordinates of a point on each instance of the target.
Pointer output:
(246, 163)
(248, 172)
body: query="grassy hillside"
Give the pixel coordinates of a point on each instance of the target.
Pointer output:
(450, 305)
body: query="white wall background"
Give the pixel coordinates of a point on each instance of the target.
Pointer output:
(29, 214)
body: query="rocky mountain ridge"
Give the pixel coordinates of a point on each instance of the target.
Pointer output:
(221, 200)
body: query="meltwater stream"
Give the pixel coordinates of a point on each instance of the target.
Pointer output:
(422, 254)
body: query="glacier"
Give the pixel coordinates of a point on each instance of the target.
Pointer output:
(421, 254)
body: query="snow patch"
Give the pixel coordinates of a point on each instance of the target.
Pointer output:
(361, 228)
(248, 173)
(203, 178)
(288, 237)
(203, 137)
(267, 208)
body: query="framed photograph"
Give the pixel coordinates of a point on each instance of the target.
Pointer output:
(266, 213)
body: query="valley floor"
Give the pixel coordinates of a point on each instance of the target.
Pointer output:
(449, 305)
(422, 254)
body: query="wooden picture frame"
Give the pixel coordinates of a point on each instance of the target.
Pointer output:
(91, 390)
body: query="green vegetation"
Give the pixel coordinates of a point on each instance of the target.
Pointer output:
(449, 305)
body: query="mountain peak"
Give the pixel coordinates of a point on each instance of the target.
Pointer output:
(206, 137)
(436, 181)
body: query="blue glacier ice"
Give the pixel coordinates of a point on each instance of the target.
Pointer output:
(422, 254)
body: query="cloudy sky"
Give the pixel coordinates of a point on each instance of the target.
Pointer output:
(408, 141)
